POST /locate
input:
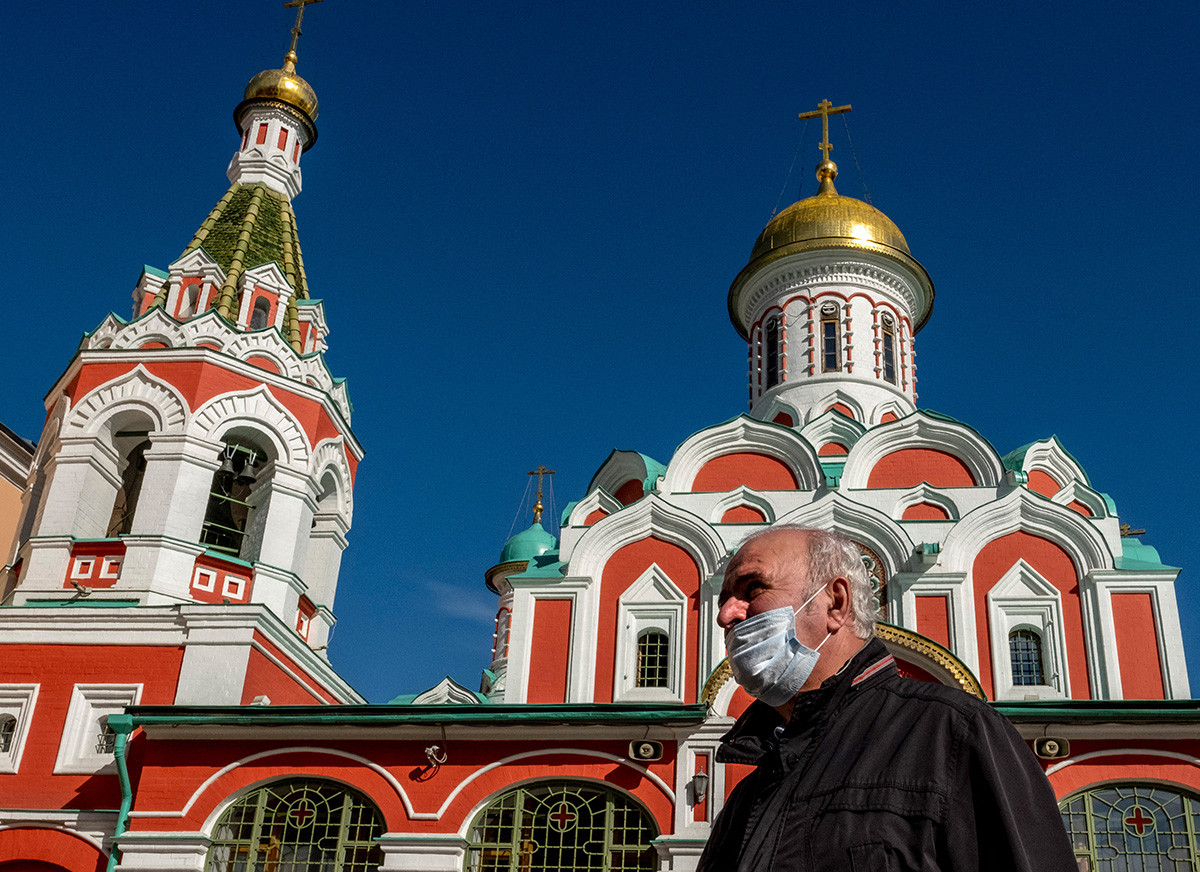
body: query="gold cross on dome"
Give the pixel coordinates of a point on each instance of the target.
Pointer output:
(299, 17)
(824, 109)
(537, 506)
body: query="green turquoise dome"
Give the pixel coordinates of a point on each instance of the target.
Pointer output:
(528, 544)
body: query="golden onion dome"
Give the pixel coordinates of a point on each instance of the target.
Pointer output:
(827, 220)
(286, 86)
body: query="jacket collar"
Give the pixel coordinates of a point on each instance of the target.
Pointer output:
(757, 731)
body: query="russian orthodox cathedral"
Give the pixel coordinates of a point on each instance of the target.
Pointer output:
(165, 699)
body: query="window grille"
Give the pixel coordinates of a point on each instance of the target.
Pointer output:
(1025, 653)
(106, 739)
(562, 827)
(1133, 827)
(653, 657)
(8, 729)
(831, 358)
(303, 825)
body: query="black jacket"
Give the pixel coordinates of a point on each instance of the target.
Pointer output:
(878, 773)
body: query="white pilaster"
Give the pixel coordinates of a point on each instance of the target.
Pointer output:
(422, 853)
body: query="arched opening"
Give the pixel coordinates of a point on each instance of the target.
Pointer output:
(1025, 654)
(1133, 826)
(260, 315)
(191, 294)
(553, 826)
(230, 507)
(889, 348)
(831, 347)
(133, 471)
(300, 824)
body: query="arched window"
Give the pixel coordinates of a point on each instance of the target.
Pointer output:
(1025, 653)
(229, 505)
(771, 344)
(889, 348)
(831, 350)
(1133, 826)
(653, 659)
(302, 825)
(134, 470)
(558, 826)
(260, 315)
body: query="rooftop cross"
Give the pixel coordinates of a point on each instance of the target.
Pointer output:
(299, 17)
(824, 109)
(537, 506)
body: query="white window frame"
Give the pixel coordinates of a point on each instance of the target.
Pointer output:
(653, 602)
(1023, 600)
(18, 701)
(91, 704)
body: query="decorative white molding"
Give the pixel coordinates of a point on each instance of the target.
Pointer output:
(446, 692)
(925, 493)
(136, 389)
(921, 430)
(618, 468)
(825, 402)
(652, 516)
(897, 408)
(91, 704)
(652, 602)
(1031, 513)
(832, 427)
(259, 411)
(1077, 492)
(597, 500)
(743, 435)
(17, 702)
(1049, 456)
(743, 496)
(1023, 600)
(863, 524)
(330, 456)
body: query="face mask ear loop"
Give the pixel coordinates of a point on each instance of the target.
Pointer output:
(823, 641)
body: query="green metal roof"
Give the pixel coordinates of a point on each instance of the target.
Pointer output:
(388, 715)
(1135, 555)
(1183, 711)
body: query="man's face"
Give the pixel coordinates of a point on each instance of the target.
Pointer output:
(768, 573)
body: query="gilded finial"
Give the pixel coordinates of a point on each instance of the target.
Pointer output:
(538, 508)
(290, 57)
(826, 169)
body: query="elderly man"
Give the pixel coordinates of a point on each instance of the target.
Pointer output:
(857, 768)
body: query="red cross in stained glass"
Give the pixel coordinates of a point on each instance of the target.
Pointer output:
(300, 813)
(1139, 821)
(563, 816)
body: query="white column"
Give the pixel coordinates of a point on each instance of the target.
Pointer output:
(281, 519)
(422, 853)
(163, 852)
(82, 488)
(326, 543)
(176, 485)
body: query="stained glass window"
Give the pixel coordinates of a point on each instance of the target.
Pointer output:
(302, 825)
(652, 659)
(1133, 828)
(1025, 653)
(562, 827)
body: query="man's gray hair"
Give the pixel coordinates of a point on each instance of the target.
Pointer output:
(831, 555)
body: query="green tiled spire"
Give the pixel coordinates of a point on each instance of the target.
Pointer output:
(252, 225)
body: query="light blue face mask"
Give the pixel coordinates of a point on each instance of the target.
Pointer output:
(767, 659)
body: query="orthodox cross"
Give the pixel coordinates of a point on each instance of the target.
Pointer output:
(537, 506)
(824, 109)
(299, 17)
(1127, 530)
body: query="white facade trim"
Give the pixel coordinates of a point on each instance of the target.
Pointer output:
(136, 389)
(862, 523)
(1023, 600)
(743, 435)
(653, 602)
(1122, 752)
(259, 411)
(17, 701)
(91, 704)
(920, 430)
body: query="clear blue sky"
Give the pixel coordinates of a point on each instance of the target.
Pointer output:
(524, 219)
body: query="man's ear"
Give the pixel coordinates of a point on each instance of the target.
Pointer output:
(841, 604)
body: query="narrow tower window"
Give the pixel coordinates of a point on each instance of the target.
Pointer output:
(296, 151)
(831, 356)
(262, 134)
(191, 294)
(283, 138)
(772, 351)
(889, 349)
(1025, 652)
(653, 649)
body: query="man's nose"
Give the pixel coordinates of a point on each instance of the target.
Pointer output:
(731, 611)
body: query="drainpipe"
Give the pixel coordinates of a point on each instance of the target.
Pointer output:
(122, 725)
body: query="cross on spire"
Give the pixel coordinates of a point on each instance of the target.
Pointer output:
(299, 17)
(538, 508)
(824, 109)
